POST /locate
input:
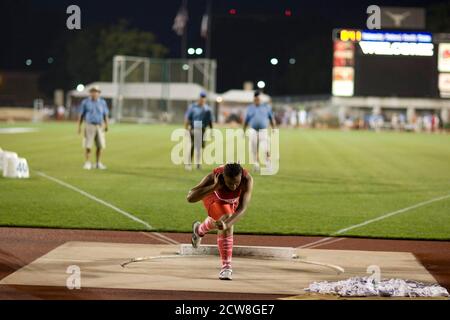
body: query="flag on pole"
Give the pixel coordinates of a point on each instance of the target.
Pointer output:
(204, 26)
(180, 22)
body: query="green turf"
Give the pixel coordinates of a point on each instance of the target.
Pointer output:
(328, 180)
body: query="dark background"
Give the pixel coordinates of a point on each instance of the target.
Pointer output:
(243, 43)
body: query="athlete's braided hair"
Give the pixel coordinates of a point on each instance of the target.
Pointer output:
(232, 170)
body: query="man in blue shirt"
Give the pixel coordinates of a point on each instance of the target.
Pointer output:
(198, 118)
(94, 111)
(258, 117)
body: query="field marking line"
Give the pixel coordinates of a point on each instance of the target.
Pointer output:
(305, 246)
(387, 215)
(160, 237)
(333, 240)
(107, 204)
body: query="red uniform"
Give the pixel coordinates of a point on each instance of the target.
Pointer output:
(223, 201)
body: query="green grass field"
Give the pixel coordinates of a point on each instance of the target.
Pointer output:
(328, 180)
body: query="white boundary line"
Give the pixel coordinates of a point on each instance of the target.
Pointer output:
(324, 243)
(387, 215)
(160, 237)
(122, 212)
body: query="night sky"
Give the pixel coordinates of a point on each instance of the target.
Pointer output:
(242, 43)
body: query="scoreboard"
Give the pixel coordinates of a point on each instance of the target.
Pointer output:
(389, 64)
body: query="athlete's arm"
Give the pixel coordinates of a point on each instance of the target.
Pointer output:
(208, 184)
(244, 201)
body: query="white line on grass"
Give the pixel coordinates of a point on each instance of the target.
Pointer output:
(418, 205)
(159, 236)
(326, 241)
(90, 196)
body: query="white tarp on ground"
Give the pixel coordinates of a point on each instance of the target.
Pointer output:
(368, 287)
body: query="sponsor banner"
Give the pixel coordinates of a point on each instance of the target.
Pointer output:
(343, 68)
(382, 36)
(343, 81)
(444, 85)
(444, 57)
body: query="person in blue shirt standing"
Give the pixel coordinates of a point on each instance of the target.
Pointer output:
(198, 118)
(258, 116)
(94, 111)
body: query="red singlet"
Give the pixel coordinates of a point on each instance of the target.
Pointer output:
(223, 201)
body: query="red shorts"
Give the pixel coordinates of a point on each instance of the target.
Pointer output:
(217, 208)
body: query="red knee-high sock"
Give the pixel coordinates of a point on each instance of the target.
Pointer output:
(225, 244)
(206, 226)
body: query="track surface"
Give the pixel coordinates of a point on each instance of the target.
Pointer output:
(20, 246)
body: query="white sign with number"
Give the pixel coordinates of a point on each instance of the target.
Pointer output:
(14, 167)
(4, 155)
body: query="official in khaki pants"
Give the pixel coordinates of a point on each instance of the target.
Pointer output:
(94, 111)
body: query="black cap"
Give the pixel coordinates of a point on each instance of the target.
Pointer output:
(203, 94)
(257, 93)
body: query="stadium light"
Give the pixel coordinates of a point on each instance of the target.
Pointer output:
(191, 51)
(28, 62)
(50, 60)
(274, 61)
(261, 84)
(219, 100)
(80, 87)
(199, 51)
(185, 67)
(292, 61)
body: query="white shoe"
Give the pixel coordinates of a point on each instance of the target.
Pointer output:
(101, 166)
(196, 239)
(226, 274)
(87, 165)
(188, 167)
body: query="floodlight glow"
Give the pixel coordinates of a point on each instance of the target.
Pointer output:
(261, 84)
(185, 67)
(191, 51)
(80, 88)
(274, 61)
(199, 51)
